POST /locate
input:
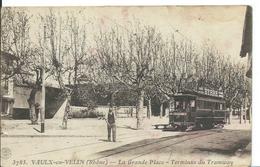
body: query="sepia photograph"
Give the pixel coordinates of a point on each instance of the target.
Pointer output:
(126, 86)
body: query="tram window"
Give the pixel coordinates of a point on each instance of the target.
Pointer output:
(211, 105)
(217, 106)
(179, 104)
(206, 105)
(220, 106)
(200, 104)
(192, 103)
(171, 105)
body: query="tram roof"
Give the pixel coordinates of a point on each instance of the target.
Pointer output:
(192, 93)
(180, 94)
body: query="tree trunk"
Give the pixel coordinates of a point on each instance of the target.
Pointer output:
(139, 109)
(112, 98)
(31, 103)
(69, 78)
(149, 109)
(230, 112)
(240, 115)
(75, 73)
(161, 110)
(250, 116)
(245, 115)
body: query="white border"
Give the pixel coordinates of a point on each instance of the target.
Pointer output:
(256, 83)
(256, 28)
(122, 2)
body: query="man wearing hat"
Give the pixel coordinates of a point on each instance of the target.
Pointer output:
(111, 124)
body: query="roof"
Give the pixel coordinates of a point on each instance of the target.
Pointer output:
(193, 93)
(246, 46)
(184, 94)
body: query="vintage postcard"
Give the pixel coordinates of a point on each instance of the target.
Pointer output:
(126, 86)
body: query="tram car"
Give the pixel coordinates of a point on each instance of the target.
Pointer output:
(197, 109)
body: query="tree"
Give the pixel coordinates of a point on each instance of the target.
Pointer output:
(67, 52)
(217, 72)
(220, 73)
(150, 93)
(77, 49)
(15, 39)
(174, 70)
(129, 58)
(56, 54)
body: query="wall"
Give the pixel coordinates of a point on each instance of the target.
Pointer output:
(53, 101)
(21, 94)
(100, 111)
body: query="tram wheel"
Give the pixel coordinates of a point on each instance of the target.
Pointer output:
(183, 128)
(208, 125)
(199, 125)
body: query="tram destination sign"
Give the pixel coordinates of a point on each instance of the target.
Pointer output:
(210, 92)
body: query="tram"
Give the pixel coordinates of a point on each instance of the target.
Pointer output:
(197, 109)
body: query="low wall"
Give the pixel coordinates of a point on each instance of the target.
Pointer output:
(100, 111)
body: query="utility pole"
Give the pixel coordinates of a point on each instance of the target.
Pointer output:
(43, 83)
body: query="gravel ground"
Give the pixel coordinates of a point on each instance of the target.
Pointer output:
(86, 139)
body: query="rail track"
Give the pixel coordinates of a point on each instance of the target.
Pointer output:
(156, 146)
(80, 146)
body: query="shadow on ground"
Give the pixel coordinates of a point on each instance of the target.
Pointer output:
(228, 150)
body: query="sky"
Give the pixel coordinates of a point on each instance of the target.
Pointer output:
(219, 25)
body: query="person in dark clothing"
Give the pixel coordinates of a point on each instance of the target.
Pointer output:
(111, 125)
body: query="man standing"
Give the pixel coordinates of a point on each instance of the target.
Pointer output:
(111, 124)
